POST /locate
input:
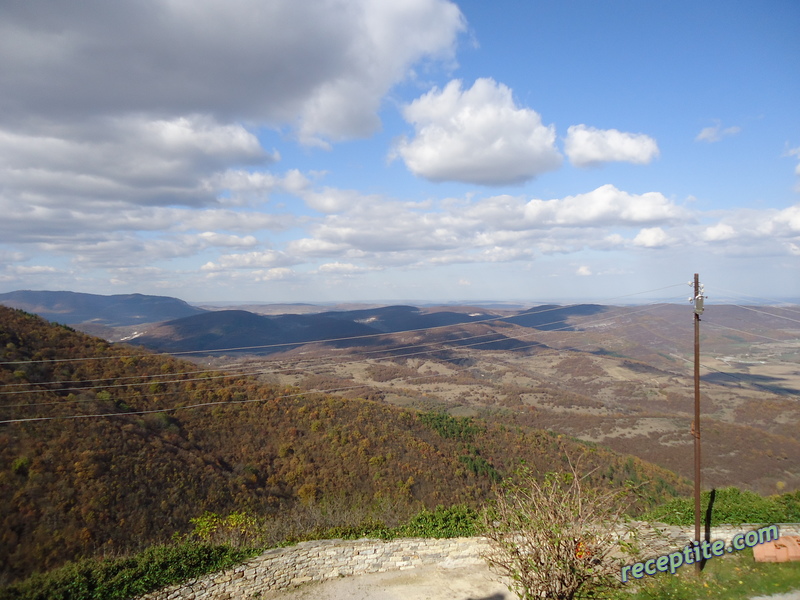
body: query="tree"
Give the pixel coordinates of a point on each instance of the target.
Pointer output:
(559, 538)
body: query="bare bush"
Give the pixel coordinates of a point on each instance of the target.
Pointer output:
(558, 538)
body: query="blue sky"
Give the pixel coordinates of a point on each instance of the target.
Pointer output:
(358, 150)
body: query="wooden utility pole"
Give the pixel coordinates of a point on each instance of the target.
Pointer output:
(698, 300)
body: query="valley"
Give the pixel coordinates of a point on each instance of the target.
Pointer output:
(625, 382)
(371, 413)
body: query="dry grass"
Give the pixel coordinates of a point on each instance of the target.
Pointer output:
(641, 402)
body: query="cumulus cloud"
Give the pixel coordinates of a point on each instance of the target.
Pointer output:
(502, 228)
(127, 159)
(785, 221)
(338, 268)
(651, 237)
(605, 205)
(583, 271)
(275, 62)
(718, 233)
(27, 223)
(250, 260)
(477, 135)
(587, 146)
(716, 133)
(275, 274)
(332, 200)
(145, 116)
(213, 238)
(223, 219)
(748, 232)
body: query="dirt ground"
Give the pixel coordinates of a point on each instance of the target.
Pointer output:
(475, 582)
(423, 583)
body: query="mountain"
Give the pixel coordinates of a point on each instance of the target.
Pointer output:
(107, 449)
(273, 333)
(242, 329)
(72, 308)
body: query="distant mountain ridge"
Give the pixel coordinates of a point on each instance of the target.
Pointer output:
(241, 329)
(72, 308)
(173, 325)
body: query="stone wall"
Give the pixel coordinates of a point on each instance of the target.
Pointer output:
(284, 568)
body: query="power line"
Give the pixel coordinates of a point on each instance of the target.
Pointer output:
(393, 356)
(712, 324)
(773, 301)
(393, 352)
(313, 341)
(330, 340)
(765, 312)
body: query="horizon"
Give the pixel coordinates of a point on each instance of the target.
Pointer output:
(422, 303)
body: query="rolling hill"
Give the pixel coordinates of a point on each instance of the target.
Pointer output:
(104, 449)
(352, 328)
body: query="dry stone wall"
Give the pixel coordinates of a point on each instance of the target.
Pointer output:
(285, 568)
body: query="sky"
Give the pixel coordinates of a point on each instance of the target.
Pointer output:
(421, 150)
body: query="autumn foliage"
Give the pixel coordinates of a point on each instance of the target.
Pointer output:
(75, 487)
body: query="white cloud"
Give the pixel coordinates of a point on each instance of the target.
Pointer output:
(383, 232)
(652, 237)
(587, 146)
(33, 269)
(719, 232)
(715, 133)
(338, 268)
(477, 135)
(324, 68)
(277, 273)
(112, 117)
(753, 233)
(238, 187)
(614, 239)
(224, 219)
(583, 271)
(213, 238)
(786, 221)
(250, 260)
(309, 247)
(332, 200)
(604, 206)
(132, 159)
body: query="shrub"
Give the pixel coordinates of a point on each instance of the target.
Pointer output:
(443, 522)
(462, 428)
(556, 538)
(237, 529)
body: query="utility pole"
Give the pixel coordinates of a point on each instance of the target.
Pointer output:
(698, 298)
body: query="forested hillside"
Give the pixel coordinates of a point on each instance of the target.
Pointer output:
(73, 485)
